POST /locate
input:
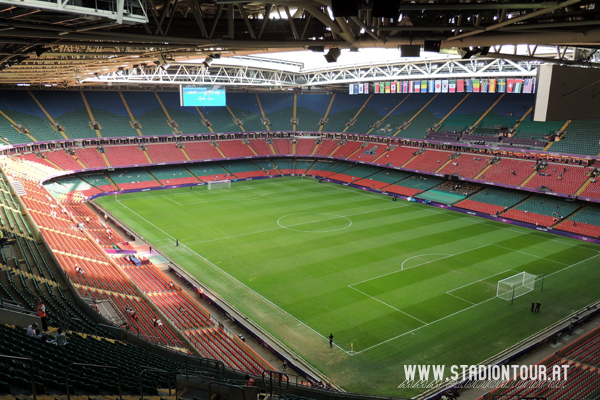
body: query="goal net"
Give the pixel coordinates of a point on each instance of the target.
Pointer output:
(218, 184)
(515, 286)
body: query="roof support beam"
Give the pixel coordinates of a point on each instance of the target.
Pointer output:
(517, 19)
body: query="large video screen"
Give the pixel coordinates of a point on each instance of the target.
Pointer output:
(201, 96)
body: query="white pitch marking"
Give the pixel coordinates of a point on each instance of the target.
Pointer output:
(531, 255)
(418, 265)
(390, 306)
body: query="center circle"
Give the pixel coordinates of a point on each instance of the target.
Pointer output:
(314, 222)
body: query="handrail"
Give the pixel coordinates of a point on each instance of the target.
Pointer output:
(93, 366)
(229, 385)
(31, 374)
(162, 371)
(278, 377)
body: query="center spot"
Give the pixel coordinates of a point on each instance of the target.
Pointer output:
(314, 222)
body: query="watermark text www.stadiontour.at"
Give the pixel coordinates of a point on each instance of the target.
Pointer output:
(484, 376)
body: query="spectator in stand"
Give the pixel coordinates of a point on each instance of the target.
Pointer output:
(31, 330)
(61, 338)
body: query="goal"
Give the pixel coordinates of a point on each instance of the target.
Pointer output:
(218, 184)
(515, 286)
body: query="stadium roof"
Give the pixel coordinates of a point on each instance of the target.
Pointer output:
(63, 42)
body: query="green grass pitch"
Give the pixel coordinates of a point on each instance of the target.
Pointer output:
(402, 282)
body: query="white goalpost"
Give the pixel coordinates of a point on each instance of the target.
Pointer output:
(219, 184)
(516, 286)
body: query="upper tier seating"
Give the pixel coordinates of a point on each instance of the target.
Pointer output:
(282, 146)
(245, 106)
(202, 151)
(21, 108)
(508, 172)
(343, 109)
(108, 110)
(164, 153)
(63, 160)
(581, 137)
(125, 155)
(347, 149)
(559, 178)
(469, 111)
(187, 118)
(90, 157)
(430, 161)
(279, 109)
(369, 153)
(69, 111)
(427, 117)
(398, 156)
(261, 147)
(310, 108)
(466, 165)
(146, 109)
(235, 149)
(326, 147)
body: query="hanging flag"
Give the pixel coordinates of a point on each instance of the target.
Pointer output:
(393, 87)
(533, 85)
(417, 87)
(387, 87)
(502, 85)
(356, 88)
(528, 87)
(484, 85)
(431, 86)
(351, 88)
(460, 85)
(476, 86)
(438, 86)
(411, 86)
(518, 86)
(423, 86)
(366, 90)
(445, 86)
(452, 86)
(376, 87)
(469, 83)
(405, 87)
(361, 88)
(510, 84)
(492, 86)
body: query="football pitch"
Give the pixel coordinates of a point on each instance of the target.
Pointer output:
(395, 282)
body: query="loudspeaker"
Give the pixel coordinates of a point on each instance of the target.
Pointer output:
(344, 8)
(386, 8)
(332, 55)
(410, 50)
(432, 45)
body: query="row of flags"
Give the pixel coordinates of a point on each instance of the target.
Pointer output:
(502, 85)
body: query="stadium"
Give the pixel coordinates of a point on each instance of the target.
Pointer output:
(318, 199)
